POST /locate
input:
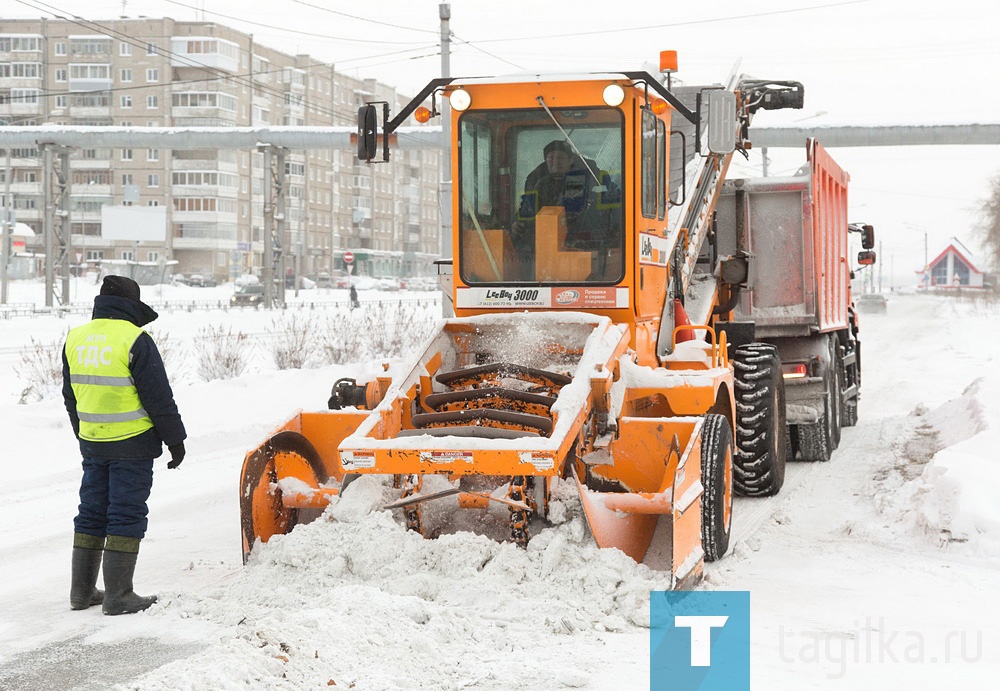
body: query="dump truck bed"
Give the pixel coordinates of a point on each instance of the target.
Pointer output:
(795, 230)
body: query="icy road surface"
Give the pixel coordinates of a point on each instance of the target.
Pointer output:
(863, 572)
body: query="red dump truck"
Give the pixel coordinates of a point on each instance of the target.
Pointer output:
(793, 232)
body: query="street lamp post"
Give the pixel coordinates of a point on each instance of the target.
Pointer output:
(8, 228)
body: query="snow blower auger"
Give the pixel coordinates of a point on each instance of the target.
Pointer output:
(591, 337)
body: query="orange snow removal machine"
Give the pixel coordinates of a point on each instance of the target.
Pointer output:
(592, 340)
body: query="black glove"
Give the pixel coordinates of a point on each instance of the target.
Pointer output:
(176, 454)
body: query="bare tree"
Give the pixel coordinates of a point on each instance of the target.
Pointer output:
(990, 223)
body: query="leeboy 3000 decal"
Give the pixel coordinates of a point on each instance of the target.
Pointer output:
(576, 297)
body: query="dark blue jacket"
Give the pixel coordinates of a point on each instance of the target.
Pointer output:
(151, 383)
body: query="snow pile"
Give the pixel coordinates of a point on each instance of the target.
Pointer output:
(957, 497)
(326, 602)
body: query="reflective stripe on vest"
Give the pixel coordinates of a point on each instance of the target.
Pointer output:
(107, 402)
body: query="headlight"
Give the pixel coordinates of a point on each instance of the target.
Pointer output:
(460, 99)
(614, 95)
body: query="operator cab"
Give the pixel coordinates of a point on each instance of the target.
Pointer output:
(541, 197)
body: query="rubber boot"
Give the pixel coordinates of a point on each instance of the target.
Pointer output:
(120, 555)
(87, 553)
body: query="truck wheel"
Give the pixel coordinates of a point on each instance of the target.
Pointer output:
(819, 439)
(761, 432)
(835, 405)
(717, 480)
(850, 413)
(791, 442)
(814, 441)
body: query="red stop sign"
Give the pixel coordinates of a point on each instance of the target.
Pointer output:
(348, 257)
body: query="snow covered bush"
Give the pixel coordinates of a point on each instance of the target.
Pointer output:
(40, 369)
(220, 353)
(294, 341)
(395, 328)
(376, 331)
(170, 349)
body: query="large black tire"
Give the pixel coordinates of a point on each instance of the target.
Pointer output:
(836, 409)
(761, 432)
(850, 413)
(851, 378)
(716, 478)
(818, 440)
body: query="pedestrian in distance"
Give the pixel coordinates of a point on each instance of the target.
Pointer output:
(353, 294)
(122, 410)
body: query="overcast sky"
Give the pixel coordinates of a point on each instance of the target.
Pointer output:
(861, 61)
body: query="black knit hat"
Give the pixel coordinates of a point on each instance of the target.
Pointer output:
(558, 145)
(120, 286)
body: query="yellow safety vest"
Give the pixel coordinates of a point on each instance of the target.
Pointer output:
(107, 402)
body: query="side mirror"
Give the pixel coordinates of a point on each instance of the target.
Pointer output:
(866, 258)
(722, 125)
(367, 132)
(867, 237)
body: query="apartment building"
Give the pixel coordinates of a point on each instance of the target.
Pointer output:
(166, 73)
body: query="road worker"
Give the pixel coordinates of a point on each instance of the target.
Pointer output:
(122, 410)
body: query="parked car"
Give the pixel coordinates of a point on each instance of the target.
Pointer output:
(324, 280)
(200, 280)
(874, 303)
(248, 295)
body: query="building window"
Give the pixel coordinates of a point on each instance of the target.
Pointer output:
(125, 75)
(127, 155)
(153, 180)
(60, 48)
(24, 95)
(128, 255)
(152, 75)
(61, 75)
(126, 179)
(89, 71)
(126, 101)
(90, 46)
(152, 154)
(124, 48)
(153, 202)
(152, 255)
(152, 102)
(62, 101)
(150, 49)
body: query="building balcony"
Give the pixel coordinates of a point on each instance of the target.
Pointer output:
(203, 217)
(183, 243)
(20, 108)
(90, 163)
(83, 112)
(21, 82)
(83, 85)
(189, 51)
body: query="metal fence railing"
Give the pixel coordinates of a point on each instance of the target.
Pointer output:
(30, 309)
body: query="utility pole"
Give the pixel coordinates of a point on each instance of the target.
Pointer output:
(444, 10)
(8, 228)
(444, 13)
(880, 266)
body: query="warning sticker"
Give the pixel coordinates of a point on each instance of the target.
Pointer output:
(357, 459)
(447, 456)
(541, 461)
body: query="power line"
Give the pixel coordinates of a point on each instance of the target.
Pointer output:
(108, 31)
(647, 27)
(486, 52)
(239, 79)
(291, 31)
(363, 19)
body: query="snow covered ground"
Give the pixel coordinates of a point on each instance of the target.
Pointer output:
(875, 570)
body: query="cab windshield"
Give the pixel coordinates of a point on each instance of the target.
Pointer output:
(541, 203)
